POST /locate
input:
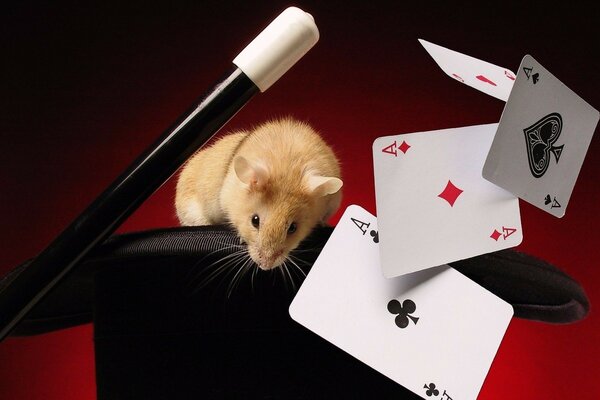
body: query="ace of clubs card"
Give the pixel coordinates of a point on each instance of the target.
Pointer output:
(435, 332)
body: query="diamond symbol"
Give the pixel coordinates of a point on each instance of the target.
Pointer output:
(450, 193)
(404, 147)
(496, 235)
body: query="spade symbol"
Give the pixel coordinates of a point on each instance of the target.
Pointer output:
(536, 78)
(555, 203)
(539, 139)
(408, 307)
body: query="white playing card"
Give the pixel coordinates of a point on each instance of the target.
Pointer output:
(542, 139)
(433, 205)
(481, 75)
(434, 332)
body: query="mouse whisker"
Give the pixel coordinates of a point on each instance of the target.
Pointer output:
(226, 247)
(218, 267)
(291, 259)
(254, 269)
(218, 264)
(299, 274)
(287, 271)
(306, 250)
(280, 269)
(238, 275)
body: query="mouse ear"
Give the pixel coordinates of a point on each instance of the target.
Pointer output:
(324, 185)
(252, 174)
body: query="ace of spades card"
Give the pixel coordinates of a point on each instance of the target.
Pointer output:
(433, 206)
(542, 139)
(543, 134)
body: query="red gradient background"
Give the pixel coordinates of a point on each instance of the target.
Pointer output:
(86, 88)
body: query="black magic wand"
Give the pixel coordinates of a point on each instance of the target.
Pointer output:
(257, 67)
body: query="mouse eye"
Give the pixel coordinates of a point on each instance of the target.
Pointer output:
(255, 221)
(292, 228)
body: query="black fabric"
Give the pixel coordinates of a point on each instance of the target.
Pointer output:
(163, 330)
(156, 337)
(536, 289)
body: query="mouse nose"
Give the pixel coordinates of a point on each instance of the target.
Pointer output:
(267, 260)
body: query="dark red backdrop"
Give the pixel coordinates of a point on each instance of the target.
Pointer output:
(86, 88)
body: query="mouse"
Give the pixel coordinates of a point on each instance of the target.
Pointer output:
(273, 184)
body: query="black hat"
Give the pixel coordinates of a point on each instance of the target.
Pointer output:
(172, 321)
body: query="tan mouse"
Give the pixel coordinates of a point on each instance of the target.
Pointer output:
(273, 184)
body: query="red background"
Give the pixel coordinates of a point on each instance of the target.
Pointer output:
(86, 88)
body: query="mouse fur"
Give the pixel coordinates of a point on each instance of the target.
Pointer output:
(272, 184)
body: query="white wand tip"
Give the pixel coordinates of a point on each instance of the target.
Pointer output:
(278, 47)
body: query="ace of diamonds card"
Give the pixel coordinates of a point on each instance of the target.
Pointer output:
(433, 205)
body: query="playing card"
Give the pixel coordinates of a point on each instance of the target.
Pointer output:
(543, 136)
(434, 332)
(481, 75)
(432, 203)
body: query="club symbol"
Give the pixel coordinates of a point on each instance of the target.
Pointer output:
(450, 193)
(408, 307)
(431, 390)
(375, 236)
